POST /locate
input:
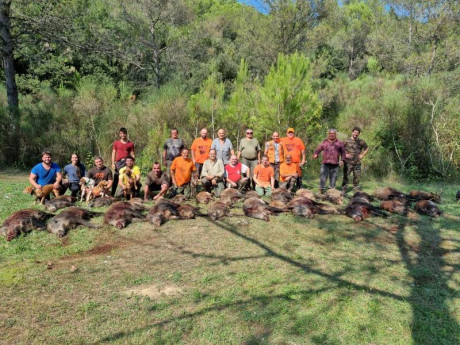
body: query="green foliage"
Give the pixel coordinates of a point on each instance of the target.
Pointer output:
(286, 98)
(206, 106)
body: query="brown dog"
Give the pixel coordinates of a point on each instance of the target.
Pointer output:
(41, 193)
(100, 190)
(130, 185)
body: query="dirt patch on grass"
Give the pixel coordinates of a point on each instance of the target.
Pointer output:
(154, 291)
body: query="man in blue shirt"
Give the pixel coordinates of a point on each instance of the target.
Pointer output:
(45, 173)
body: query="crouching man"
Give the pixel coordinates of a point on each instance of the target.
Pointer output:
(46, 173)
(157, 183)
(289, 172)
(264, 176)
(181, 173)
(213, 173)
(130, 178)
(100, 173)
(236, 174)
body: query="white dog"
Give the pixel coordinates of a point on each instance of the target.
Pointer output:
(86, 187)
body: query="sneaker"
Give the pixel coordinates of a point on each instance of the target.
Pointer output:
(356, 189)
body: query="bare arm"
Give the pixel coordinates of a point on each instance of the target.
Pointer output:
(32, 180)
(361, 156)
(114, 154)
(164, 158)
(58, 180)
(303, 158)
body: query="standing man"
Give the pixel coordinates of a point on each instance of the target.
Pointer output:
(332, 150)
(172, 148)
(45, 173)
(295, 147)
(249, 152)
(157, 183)
(130, 171)
(181, 173)
(100, 173)
(213, 174)
(236, 174)
(289, 172)
(200, 150)
(223, 147)
(355, 149)
(275, 152)
(264, 176)
(121, 149)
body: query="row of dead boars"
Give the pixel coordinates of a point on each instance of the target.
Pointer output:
(303, 203)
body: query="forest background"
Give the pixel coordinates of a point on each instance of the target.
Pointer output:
(75, 71)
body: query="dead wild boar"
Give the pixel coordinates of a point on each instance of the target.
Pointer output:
(103, 202)
(203, 197)
(162, 211)
(422, 195)
(122, 213)
(359, 210)
(57, 204)
(179, 198)
(281, 194)
(334, 196)
(187, 211)
(427, 207)
(306, 194)
(22, 222)
(389, 193)
(257, 208)
(230, 196)
(69, 219)
(395, 206)
(218, 210)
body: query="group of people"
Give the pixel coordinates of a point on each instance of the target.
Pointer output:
(214, 163)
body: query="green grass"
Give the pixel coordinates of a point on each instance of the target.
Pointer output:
(326, 280)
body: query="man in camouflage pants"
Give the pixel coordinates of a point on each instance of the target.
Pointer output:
(355, 149)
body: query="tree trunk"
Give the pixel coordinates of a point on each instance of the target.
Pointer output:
(10, 77)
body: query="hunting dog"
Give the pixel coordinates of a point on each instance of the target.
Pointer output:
(86, 188)
(41, 193)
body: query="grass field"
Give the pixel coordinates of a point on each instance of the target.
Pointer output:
(327, 280)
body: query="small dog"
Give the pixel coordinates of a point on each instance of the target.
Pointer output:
(100, 190)
(130, 185)
(86, 188)
(41, 193)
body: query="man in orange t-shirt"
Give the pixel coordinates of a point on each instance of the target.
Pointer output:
(181, 173)
(200, 150)
(264, 177)
(289, 172)
(295, 147)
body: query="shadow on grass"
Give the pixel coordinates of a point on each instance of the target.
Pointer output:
(432, 322)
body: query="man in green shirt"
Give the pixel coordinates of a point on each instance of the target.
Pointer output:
(355, 149)
(249, 152)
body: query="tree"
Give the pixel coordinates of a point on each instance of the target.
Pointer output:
(286, 98)
(240, 112)
(10, 78)
(206, 106)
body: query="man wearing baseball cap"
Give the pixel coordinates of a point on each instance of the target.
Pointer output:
(294, 147)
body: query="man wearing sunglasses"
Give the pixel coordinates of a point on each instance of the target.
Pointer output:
(249, 152)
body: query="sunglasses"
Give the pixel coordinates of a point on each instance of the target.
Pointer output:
(248, 132)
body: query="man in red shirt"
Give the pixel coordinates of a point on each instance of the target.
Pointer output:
(121, 149)
(294, 147)
(332, 149)
(234, 172)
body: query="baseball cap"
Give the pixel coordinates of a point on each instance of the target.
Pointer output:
(290, 130)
